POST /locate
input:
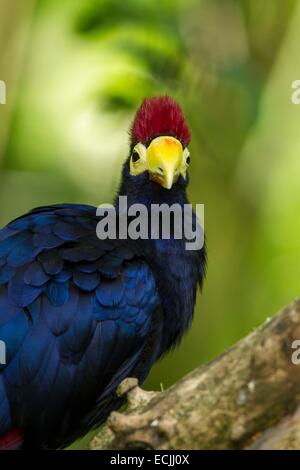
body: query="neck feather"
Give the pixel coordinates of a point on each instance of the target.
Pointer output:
(177, 271)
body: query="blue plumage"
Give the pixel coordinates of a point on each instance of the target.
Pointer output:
(72, 315)
(79, 314)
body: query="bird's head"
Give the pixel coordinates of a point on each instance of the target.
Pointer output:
(159, 140)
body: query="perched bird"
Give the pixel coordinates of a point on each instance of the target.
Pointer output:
(79, 314)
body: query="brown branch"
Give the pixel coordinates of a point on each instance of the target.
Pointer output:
(246, 398)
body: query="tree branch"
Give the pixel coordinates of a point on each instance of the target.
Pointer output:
(246, 398)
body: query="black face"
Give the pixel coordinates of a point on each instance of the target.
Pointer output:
(141, 189)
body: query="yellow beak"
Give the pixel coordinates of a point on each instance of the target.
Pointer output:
(164, 159)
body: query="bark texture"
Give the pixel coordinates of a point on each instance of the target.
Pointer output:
(247, 398)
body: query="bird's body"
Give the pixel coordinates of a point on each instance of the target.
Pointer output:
(79, 314)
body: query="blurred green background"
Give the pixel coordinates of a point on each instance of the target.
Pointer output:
(76, 71)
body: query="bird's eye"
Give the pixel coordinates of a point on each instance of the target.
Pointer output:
(188, 160)
(135, 156)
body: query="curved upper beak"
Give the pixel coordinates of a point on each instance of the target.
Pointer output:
(164, 158)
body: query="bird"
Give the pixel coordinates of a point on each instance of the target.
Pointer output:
(79, 313)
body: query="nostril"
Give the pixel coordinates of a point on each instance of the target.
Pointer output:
(160, 170)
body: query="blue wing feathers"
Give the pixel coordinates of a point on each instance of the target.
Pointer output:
(58, 292)
(7, 310)
(13, 332)
(35, 275)
(75, 312)
(86, 281)
(20, 293)
(51, 261)
(58, 318)
(6, 273)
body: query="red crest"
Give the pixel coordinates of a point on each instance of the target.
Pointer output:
(157, 116)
